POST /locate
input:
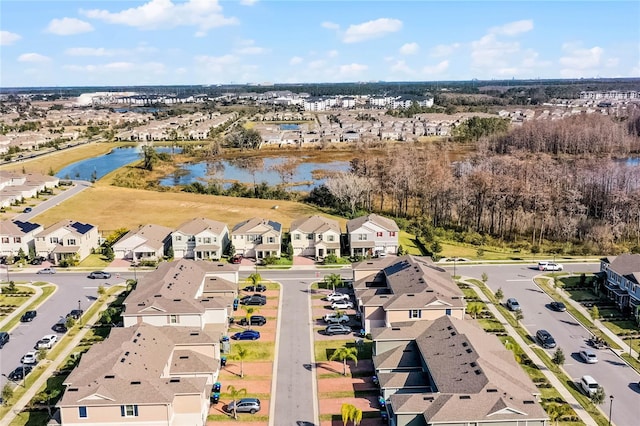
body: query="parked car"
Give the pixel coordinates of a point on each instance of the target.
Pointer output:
(332, 329)
(513, 304)
(246, 335)
(259, 288)
(60, 326)
(30, 358)
(47, 341)
(99, 274)
(253, 320)
(20, 372)
(244, 405)
(4, 338)
(254, 301)
(75, 314)
(551, 267)
(334, 318)
(336, 297)
(37, 260)
(237, 259)
(558, 306)
(46, 271)
(588, 356)
(28, 316)
(27, 210)
(589, 385)
(342, 304)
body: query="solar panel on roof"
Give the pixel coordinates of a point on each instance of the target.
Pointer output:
(82, 228)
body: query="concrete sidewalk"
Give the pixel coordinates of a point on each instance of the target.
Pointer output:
(555, 382)
(51, 366)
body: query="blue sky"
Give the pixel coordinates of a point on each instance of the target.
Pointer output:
(119, 43)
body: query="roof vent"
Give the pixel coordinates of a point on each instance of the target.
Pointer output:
(136, 382)
(141, 304)
(184, 357)
(453, 333)
(110, 376)
(465, 397)
(469, 350)
(473, 364)
(157, 295)
(427, 398)
(449, 327)
(478, 372)
(395, 328)
(121, 359)
(126, 353)
(194, 333)
(135, 340)
(174, 381)
(72, 390)
(528, 401)
(465, 344)
(492, 390)
(177, 300)
(410, 295)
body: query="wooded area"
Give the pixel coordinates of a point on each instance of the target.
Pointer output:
(566, 181)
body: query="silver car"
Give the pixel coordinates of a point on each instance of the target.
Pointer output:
(244, 405)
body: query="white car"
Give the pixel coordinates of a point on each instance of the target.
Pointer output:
(30, 358)
(588, 356)
(551, 267)
(336, 297)
(342, 304)
(336, 319)
(47, 341)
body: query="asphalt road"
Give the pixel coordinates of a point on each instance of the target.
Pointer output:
(79, 185)
(614, 375)
(74, 289)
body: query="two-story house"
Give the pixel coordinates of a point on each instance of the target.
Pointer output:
(407, 288)
(18, 235)
(622, 274)
(315, 236)
(199, 239)
(65, 240)
(372, 234)
(143, 375)
(184, 293)
(450, 372)
(257, 238)
(149, 242)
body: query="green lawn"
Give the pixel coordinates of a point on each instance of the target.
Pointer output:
(324, 349)
(95, 261)
(258, 351)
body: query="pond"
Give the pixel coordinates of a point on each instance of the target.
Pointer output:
(228, 171)
(99, 166)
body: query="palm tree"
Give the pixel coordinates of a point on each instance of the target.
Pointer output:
(511, 346)
(598, 397)
(254, 279)
(357, 416)
(250, 310)
(343, 354)
(347, 412)
(235, 395)
(333, 280)
(241, 354)
(474, 309)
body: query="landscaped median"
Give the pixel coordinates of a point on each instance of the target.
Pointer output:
(11, 303)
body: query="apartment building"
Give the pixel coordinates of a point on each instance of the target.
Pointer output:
(621, 275)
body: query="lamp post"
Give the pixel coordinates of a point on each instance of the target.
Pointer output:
(610, 407)
(79, 305)
(454, 268)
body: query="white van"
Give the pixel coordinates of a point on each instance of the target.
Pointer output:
(589, 385)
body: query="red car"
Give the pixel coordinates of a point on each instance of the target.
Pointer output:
(236, 259)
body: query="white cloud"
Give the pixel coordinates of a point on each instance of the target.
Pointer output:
(181, 70)
(330, 25)
(442, 50)
(216, 63)
(352, 69)
(33, 57)
(295, 60)
(68, 26)
(316, 64)
(162, 14)
(531, 60)
(248, 47)
(580, 58)
(248, 2)
(513, 28)
(371, 30)
(89, 51)
(492, 53)
(332, 53)
(8, 38)
(436, 69)
(409, 49)
(118, 66)
(401, 66)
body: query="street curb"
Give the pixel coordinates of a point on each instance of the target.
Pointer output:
(274, 367)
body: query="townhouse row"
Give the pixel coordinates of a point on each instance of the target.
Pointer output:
(619, 279)
(203, 239)
(15, 187)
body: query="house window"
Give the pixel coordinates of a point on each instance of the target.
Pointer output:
(207, 240)
(378, 234)
(53, 240)
(215, 239)
(82, 412)
(448, 312)
(415, 313)
(309, 236)
(272, 240)
(173, 319)
(331, 237)
(250, 238)
(392, 234)
(71, 242)
(362, 237)
(296, 236)
(17, 240)
(129, 410)
(5, 240)
(178, 238)
(199, 239)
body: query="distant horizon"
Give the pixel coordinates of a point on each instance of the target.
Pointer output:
(80, 43)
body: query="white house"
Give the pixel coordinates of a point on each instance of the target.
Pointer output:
(16, 235)
(258, 238)
(149, 242)
(315, 236)
(67, 239)
(200, 238)
(372, 234)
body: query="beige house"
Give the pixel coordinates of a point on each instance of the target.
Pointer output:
(406, 288)
(65, 240)
(149, 242)
(257, 238)
(372, 234)
(143, 375)
(315, 236)
(450, 372)
(196, 294)
(200, 238)
(16, 235)
(20, 186)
